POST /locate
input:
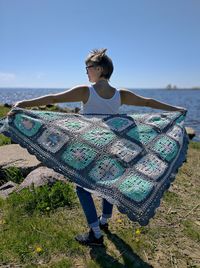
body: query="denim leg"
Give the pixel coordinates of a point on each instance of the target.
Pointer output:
(88, 206)
(107, 209)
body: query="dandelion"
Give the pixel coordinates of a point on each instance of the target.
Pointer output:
(138, 232)
(38, 249)
(137, 235)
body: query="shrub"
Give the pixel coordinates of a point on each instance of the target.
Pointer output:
(44, 198)
(13, 174)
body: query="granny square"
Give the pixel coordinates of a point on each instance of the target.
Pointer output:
(52, 140)
(78, 155)
(151, 166)
(136, 187)
(125, 150)
(99, 136)
(27, 125)
(119, 123)
(142, 133)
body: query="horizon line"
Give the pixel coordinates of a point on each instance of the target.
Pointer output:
(29, 87)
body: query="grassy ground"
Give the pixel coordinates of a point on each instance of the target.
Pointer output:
(3, 139)
(172, 239)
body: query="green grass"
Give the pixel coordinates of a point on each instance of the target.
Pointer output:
(191, 230)
(31, 228)
(195, 145)
(22, 235)
(4, 140)
(12, 174)
(43, 199)
(3, 111)
(172, 198)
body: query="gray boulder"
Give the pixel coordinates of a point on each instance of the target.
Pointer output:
(14, 155)
(191, 132)
(41, 176)
(7, 189)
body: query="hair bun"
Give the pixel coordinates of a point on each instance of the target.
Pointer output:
(98, 52)
(103, 51)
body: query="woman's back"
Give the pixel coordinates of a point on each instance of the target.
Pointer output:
(97, 104)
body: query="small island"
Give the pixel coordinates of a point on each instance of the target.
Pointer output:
(169, 86)
(173, 87)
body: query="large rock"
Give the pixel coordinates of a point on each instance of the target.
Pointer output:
(191, 132)
(14, 155)
(7, 189)
(41, 176)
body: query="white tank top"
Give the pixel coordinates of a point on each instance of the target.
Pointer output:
(99, 105)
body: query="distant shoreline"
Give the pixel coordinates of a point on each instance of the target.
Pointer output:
(129, 88)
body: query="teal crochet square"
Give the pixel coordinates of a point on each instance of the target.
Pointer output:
(136, 187)
(78, 155)
(119, 123)
(49, 115)
(180, 119)
(106, 171)
(166, 147)
(142, 133)
(99, 136)
(27, 125)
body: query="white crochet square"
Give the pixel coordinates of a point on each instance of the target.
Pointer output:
(176, 133)
(52, 140)
(125, 150)
(151, 166)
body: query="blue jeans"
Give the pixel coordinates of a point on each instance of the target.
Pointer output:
(89, 209)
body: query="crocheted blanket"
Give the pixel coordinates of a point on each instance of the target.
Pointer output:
(128, 159)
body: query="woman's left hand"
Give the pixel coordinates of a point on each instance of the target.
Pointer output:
(181, 109)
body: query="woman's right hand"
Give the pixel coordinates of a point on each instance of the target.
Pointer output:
(17, 104)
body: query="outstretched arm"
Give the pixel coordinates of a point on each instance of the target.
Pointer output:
(75, 94)
(130, 98)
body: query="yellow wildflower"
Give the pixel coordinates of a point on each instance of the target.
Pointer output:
(138, 232)
(38, 249)
(119, 220)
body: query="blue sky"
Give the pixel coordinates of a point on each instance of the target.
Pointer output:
(152, 42)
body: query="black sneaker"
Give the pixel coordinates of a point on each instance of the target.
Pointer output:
(103, 227)
(89, 239)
